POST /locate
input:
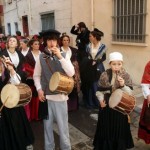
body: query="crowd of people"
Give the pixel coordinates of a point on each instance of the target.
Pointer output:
(34, 60)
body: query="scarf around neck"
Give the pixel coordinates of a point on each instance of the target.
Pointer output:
(106, 77)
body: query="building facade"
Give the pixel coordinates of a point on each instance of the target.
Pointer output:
(125, 24)
(1, 17)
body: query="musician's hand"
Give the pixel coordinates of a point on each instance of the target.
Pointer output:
(7, 61)
(56, 51)
(103, 103)
(9, 65)
(120, 80)
(41, 95)
(11, 69)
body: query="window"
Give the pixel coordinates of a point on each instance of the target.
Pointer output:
(48, 21)
(129, 21)
(9, 28)
(16, 26)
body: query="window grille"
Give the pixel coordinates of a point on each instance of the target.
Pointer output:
(129, 21)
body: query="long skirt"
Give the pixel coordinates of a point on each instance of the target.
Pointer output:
(33, 107)
(144, 129)
(113, 131)
(15, 129)
(73, 101)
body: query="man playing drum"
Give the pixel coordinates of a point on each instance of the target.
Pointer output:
(53, 105)
(113, 129)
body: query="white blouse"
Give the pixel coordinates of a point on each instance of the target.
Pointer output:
(24, 52)
(14, 58)
(145, 89)
(15, 79)
(94, 50)
(68, 52)
(36, 57)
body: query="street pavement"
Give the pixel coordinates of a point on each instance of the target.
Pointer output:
(82, 126)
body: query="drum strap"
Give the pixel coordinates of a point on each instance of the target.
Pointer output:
(51, 70)
(49, 66)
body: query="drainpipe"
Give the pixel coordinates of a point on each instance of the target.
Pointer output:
(92, 13)
(29, 17)
(17, 10)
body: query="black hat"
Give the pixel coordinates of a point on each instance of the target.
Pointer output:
(49, 32)
(99, 32)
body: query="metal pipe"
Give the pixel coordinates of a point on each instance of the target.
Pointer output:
(30, 17)
(92, 13)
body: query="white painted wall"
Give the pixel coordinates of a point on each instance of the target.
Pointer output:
(13, 13)
(34, 8)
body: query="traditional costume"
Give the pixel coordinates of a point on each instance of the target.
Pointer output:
(144, 128)
(113, 130)
(54, 108)
(15, 130)
(91, 69)
(73, 101)
(32, 107)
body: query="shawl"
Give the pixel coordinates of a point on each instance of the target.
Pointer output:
(105, 80)
(100, 53)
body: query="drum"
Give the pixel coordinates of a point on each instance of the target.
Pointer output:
(122, 102)
(61, 83)
(16, 95)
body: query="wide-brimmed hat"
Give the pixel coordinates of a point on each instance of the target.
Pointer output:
(49, 32)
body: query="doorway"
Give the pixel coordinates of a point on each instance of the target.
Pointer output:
(25, 26)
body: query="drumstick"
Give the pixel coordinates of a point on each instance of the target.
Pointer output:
(3, 104)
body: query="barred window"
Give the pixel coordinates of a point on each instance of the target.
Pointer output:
(129, 21)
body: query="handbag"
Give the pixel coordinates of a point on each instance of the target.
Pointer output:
(146, 117)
